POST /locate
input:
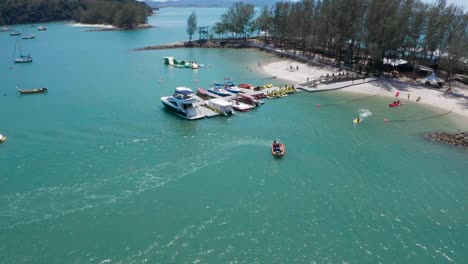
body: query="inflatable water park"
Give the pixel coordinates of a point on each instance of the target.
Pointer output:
(181, 63)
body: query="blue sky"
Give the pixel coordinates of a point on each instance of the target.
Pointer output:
(462, 3)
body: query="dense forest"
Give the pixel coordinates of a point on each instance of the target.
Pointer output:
(120, 13)
(203, 3)
(359, 31)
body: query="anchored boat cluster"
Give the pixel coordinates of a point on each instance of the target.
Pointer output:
(221, 99)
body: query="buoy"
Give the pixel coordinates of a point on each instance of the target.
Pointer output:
(318, 106)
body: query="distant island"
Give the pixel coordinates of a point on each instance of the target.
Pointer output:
(118, 13)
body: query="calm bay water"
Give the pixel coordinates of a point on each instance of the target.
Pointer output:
(96, 171)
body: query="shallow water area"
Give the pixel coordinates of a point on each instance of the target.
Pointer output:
(96, 171)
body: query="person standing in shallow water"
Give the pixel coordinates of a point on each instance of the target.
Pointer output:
(409, 96)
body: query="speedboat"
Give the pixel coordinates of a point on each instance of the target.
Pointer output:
(202, 93)
(245, 85)
(41, 28)
(2, 138)
(396, 103)
(182, 103)
(245, 98)
(231, 87)
(277, 148)
(240, 106)
(218, 89)
(15, 33)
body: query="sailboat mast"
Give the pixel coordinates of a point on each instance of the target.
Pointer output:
(14, 50)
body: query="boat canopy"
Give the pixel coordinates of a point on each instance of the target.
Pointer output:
(183, 90)
(246, 96)
(221, 102)
(202, 91)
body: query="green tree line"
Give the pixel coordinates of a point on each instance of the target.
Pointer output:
(359, 31)
(120, 13)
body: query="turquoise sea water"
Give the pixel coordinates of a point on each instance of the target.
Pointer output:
(96, 171)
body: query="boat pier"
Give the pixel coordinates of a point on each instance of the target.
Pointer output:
(207, 112)
(307, 87)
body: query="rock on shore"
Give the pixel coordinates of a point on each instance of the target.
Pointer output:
(457, 139)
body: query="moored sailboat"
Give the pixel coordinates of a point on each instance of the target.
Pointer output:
(22, 58)
(29, 36)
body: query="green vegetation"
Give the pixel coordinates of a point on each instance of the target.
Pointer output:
(236, 20)
(120, 13)
(191, 25)
(359, 33)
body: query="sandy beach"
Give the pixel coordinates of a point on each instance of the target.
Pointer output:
(92, 25)
(299, 73)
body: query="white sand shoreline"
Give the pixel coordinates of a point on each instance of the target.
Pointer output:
(301, 73)
(92, 25)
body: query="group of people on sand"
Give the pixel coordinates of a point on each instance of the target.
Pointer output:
(291, 68)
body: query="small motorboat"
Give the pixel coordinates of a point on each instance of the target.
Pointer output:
(231, 87)
(240, 106)
(218, 89)
(396, 103)
(29, 36)
(202, 93)
(277, 148)
(32, 91)
(2, 138)
(15, 33)
(41, 28)
(245, 86)
(245, 98)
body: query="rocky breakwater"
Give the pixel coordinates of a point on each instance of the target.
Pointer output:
(201, 44)
(457, 139)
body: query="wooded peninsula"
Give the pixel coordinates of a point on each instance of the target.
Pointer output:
(359, 32)
(119, 13)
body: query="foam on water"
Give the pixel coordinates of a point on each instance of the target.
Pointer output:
(364, 113)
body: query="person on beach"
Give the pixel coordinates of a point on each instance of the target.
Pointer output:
(409, 96)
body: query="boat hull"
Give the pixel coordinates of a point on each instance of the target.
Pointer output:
(168, 106)
(219, 92)
(33, 91)
(28, 60)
